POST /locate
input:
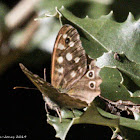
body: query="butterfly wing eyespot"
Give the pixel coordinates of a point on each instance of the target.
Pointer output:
(90, 74)
(67, 40)
(92, 84)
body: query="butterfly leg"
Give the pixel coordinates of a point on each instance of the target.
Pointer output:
(73, 112)
(46, 108)
(59, 114)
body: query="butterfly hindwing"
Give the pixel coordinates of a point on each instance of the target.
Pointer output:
(69, 62)
(88, 87)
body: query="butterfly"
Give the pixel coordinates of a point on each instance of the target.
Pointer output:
(75, 80)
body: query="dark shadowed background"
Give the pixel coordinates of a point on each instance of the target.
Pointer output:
(22, 111)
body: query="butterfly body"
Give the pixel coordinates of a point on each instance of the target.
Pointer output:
(75, 80)
(71, 67)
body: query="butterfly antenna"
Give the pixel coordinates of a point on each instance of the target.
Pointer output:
(45, 74)
(18, 87)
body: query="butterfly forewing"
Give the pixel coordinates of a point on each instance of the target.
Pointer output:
(69, 62)
(57, 99)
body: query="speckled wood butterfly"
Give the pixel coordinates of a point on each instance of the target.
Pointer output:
(74, 76)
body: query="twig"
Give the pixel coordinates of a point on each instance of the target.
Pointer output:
(19, 13)
(28, 33)
(13, 55)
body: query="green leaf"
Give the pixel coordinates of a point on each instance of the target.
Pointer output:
(112, 87)
(61, 128)
(129, 83)
(136, 94)
(124, 124)
(70, 114)
(92, 116)
(3, 12)
(132, 130)
(128, 127)
(79, 8)
(130, 68)
(92, 46)
(117, 37)
(99, 36)
(136, 116)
